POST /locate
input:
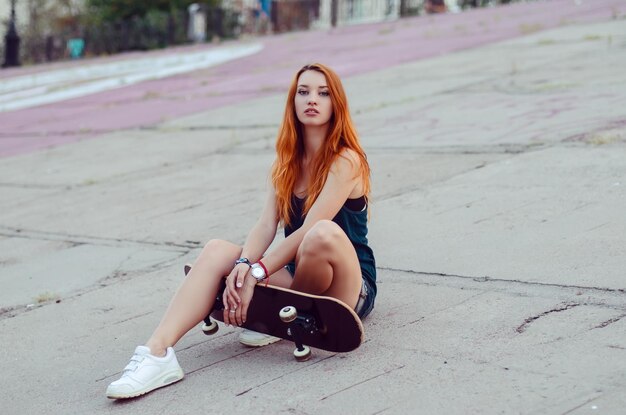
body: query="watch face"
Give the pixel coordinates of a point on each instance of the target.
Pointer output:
(258, 273)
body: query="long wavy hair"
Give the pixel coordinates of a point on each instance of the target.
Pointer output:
(290, 146)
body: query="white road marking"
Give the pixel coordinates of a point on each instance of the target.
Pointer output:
(59, 85)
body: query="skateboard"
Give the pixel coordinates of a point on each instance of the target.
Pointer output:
(308, 320)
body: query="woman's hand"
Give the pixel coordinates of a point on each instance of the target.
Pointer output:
(237, 315)
(233, 281)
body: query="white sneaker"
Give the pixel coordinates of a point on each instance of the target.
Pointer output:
(255, 339)
(145, 373)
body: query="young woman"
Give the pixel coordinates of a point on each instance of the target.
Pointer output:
(320, 191)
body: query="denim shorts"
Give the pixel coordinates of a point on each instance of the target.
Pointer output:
(365, 304)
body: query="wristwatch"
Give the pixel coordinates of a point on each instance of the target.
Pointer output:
(258, 271)
(243, 261)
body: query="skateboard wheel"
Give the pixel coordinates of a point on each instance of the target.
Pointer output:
(302, 355)
(288, 314)
(210, 329)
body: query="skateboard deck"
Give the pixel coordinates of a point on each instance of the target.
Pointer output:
(321, 322)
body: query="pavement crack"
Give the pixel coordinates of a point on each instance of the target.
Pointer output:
(486, 279)
(220, 361)
(508, 211)
(132, 318)
(412, 322)
(609, 321)
(362, 382)
(180, 210)
(33, 186)
(208, 127)
(8, 312)
(588, 401)
(459, 303)
(614, 346)
(522, 328)
(597, 227)
(403, 191)
(65, 133)
(400, 192)
(14, 311)
(299, 368)
(11, 232)
(208, 339)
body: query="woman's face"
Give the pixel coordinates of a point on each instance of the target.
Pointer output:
(312, 101)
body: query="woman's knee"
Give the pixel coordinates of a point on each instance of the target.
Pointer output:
(212, 246)
(218, 255)
(323, 236)
(218, 247)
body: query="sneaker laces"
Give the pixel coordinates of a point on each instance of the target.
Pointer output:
(134, 363)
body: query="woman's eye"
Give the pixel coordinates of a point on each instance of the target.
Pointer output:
(303, 92)
(325, 93)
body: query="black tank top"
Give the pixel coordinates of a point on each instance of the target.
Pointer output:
(352, 218)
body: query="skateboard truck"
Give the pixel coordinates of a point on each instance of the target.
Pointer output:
(210, 326)
(297, 326)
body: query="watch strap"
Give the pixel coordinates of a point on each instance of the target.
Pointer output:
(267, 274)
(243, 261)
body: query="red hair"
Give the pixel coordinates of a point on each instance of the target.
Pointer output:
(290, 146)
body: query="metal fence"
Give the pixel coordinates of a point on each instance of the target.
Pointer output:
(359, 11)
(139, 33)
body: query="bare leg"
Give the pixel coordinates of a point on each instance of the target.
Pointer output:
(194, 298)
(281, 278)
(327, 264)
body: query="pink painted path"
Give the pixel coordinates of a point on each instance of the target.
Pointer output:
(349, 50)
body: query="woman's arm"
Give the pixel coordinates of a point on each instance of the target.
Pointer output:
(259, 239)
(263, 232)
(342, 179)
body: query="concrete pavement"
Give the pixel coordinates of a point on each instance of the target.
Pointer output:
(497, 224)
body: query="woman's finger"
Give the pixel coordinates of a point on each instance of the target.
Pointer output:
(238, 277)
(238, 318)
(234, 296)
(244, 311)
(230, 315)
(241, 275)
(229, 281)
(230, 306)
(246, 297)
(226, 306)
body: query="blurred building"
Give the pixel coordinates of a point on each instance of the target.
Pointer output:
(358, 11)
(288, 15)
